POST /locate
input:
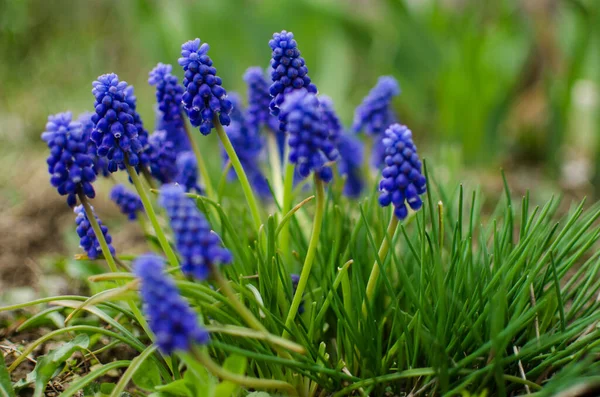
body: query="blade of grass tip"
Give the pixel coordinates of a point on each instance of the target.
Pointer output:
(291, 213)
(561, 306)
(79, 384)
(136, 363)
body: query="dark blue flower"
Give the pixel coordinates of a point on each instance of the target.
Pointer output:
(350, 164)
(170, 317)
(100, 163)
(170, 110)
(330, 118)
(375, 113)
(402, 180)
(288, 70)
(162, 157)
(258, 114)
(308, 136)
(203, 97)
(69, 164)
(115, 131)
(237, 111)
(87, 238)
(128, 202)
(295, 281)
(188, 172)
(143, 135)
(199, 247)
(248, 145)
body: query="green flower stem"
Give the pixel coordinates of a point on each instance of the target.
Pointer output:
(239, 307)
(310, 255)
(162, 239)
(98, 232)
(383, 251)
(275, 163)
(148, 177)
(210, 192)
(239, 170)
(110, 260)
(201, 355)
(288, 195)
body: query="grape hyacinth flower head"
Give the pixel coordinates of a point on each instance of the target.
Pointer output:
(204, 97)
(258, 114)
(115, 132)
(87, 238)
(402, 180)
(187, 175)
(248, 145)
(143, 135)
(309, 140)
(375, 113)
(100, 163)
(350, 164)
(69, 164)
(199, 247)
(162, 157)
(289, 72)
(237, 111)
(170, 317)
(331, 118)
(128, 202)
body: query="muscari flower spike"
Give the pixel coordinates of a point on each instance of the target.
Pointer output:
(169, 108)
(128, 202)
(199, 247)
(203, 97)
(375, 113)
(69, 164)
(170, 317)
(143, 135)
(162, 157)
(87, 237)
(248, 145)
(100, 163)
(402, 180)
(258, 114)
(188, 172)
(330, 118)
(115, 131)
(310, 145)
(351, 151)
(288, 71)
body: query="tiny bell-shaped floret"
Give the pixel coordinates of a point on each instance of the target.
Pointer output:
(402, 181)
(162, 157)
(87, 238)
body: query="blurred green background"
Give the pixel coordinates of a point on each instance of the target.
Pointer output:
(512, 83)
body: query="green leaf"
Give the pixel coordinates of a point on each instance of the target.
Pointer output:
(147, 377)
(176, 388)
(84, 382)
(48, 365)
(237, 365)
(197, 378)
(6, 389)
(258, 394)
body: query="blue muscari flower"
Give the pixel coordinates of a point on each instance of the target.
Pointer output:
(143, 136)
(128, 202)
(87, 238)
(402, 180)
(100, 163)
(248, 145)
(295, 281)
(237, 111)
(203, 97)
(375, 113)
(162, 157)
(69, 164)
(330, 118)
(170, 317)
(288, 71)
(188, 172)
(258, 114)
(115, 131)
(351, 151)
(170, 110)
(309, 140)
(198, 246)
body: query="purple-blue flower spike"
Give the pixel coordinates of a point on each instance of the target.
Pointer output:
(350, 164)
(188, 172)
(402, 181)
(170, 317)
(170, 109)
(375, 113)
(87, 237)
(100, 163)
(204, 97)
(143, 135)
(69, 164)
(288, 71)
(115, 131)
(162, 157)
(199, 247)
(258, 114)
(309, 140)
(330, 118)
(128, 202)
